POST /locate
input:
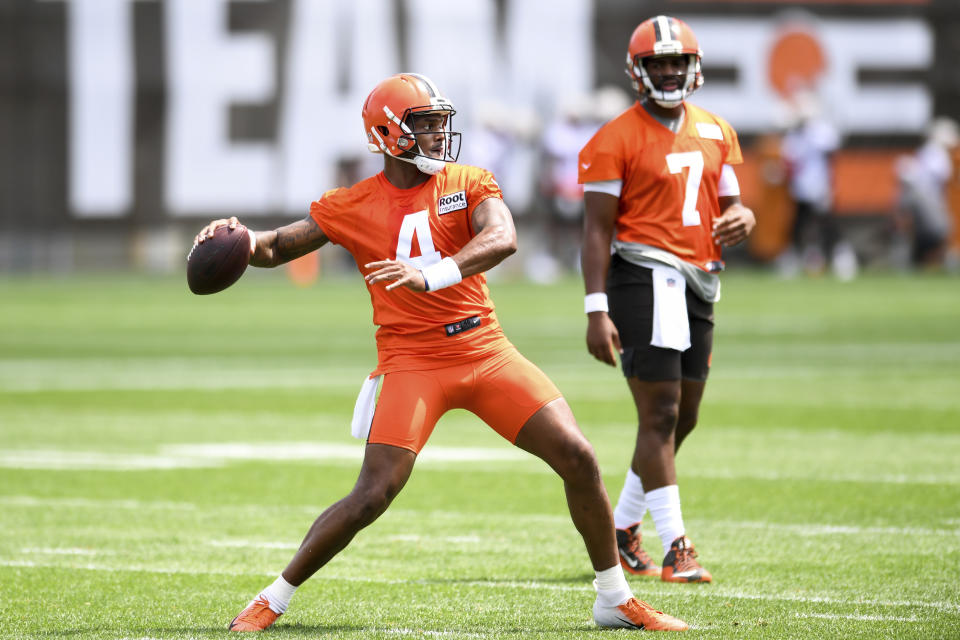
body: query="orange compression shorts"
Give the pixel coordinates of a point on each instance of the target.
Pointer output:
(504, 390)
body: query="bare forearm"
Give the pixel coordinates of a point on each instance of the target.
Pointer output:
(287, 243)
(595, 262)
(486, 250)
(495, 239)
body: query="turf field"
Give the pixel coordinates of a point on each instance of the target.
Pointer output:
(163, 454)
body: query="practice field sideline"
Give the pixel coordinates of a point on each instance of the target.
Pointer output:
(163, 454)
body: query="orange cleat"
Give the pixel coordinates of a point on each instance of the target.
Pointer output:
(632, 556)
(681, 564)
(256, 617)
(636, 614)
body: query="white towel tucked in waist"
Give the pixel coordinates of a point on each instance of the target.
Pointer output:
(363, 410)
(671, 327)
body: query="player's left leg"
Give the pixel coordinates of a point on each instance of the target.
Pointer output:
(691, 393)
(552, 434)
(680, 562)
(517, 399)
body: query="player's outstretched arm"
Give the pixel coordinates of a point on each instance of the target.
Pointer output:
(276, 247)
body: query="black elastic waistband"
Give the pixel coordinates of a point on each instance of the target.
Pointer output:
(460, 326)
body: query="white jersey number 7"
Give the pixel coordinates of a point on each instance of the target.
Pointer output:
(676, 162)
(417, 223)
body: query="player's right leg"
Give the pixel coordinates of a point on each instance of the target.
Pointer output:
(384, 471)
(396, 435)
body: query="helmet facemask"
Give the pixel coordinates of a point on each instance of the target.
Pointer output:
(690, 82)
(406, 142)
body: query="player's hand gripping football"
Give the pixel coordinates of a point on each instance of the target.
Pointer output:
(734, 225)
(603, 340)
(208, 231)
(399, 272)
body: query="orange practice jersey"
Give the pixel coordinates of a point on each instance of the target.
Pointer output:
(669, 194)
(375, 220)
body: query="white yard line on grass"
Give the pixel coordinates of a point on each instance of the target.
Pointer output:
(842, 616)
(217, 454)
(211, 455)
(63, 460)
(816, 476)
(292, 546)
(712, 593)
(949, 531)
(64, 551)
(253, 544)
(419, 633)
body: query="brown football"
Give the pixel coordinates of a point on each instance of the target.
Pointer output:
(218, 262)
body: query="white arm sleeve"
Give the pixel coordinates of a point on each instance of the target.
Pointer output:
(728, 185)
(612, 187)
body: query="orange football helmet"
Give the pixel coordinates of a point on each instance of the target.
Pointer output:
(388, 120)
(664, 36)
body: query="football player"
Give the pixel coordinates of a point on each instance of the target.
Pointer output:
(423, 232)
(661, 192)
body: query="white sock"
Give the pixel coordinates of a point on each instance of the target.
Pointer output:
(632, 504)
(664, 505)
(612, 587)
(278, 594)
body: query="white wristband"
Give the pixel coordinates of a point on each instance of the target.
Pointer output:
(595, 302)
(442, 274)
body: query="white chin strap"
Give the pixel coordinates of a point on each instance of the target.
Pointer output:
(668, 104)
(430, 166)
(426, 164)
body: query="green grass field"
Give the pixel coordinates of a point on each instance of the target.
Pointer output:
(163, 454)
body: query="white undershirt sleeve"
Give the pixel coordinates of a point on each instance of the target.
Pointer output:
(728, 185)
(613, 187)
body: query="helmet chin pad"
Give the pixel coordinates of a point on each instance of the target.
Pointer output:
(429, 166)
(667, 104)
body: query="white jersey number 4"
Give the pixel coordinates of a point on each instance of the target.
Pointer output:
(676, 163)
(417, 223)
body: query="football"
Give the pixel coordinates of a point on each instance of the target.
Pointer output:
(218, 262)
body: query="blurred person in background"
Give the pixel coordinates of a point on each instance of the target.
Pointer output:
(660, 187)
(924, 218)
(808, 147)
(423, 232)
(578, 119)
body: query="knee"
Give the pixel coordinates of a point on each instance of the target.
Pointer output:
(368, 503)
(661, 418)
(579, 462)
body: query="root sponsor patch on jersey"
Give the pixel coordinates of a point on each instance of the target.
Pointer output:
(452, 202)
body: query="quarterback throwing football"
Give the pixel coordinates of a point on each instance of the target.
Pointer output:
(659, 186)
(439, 343)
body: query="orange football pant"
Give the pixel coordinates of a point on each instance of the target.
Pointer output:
(504, 390)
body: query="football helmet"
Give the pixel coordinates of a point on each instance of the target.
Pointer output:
(388, 120)
(664, 36)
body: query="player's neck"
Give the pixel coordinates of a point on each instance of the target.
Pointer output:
(402, 175)
(665, 115)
